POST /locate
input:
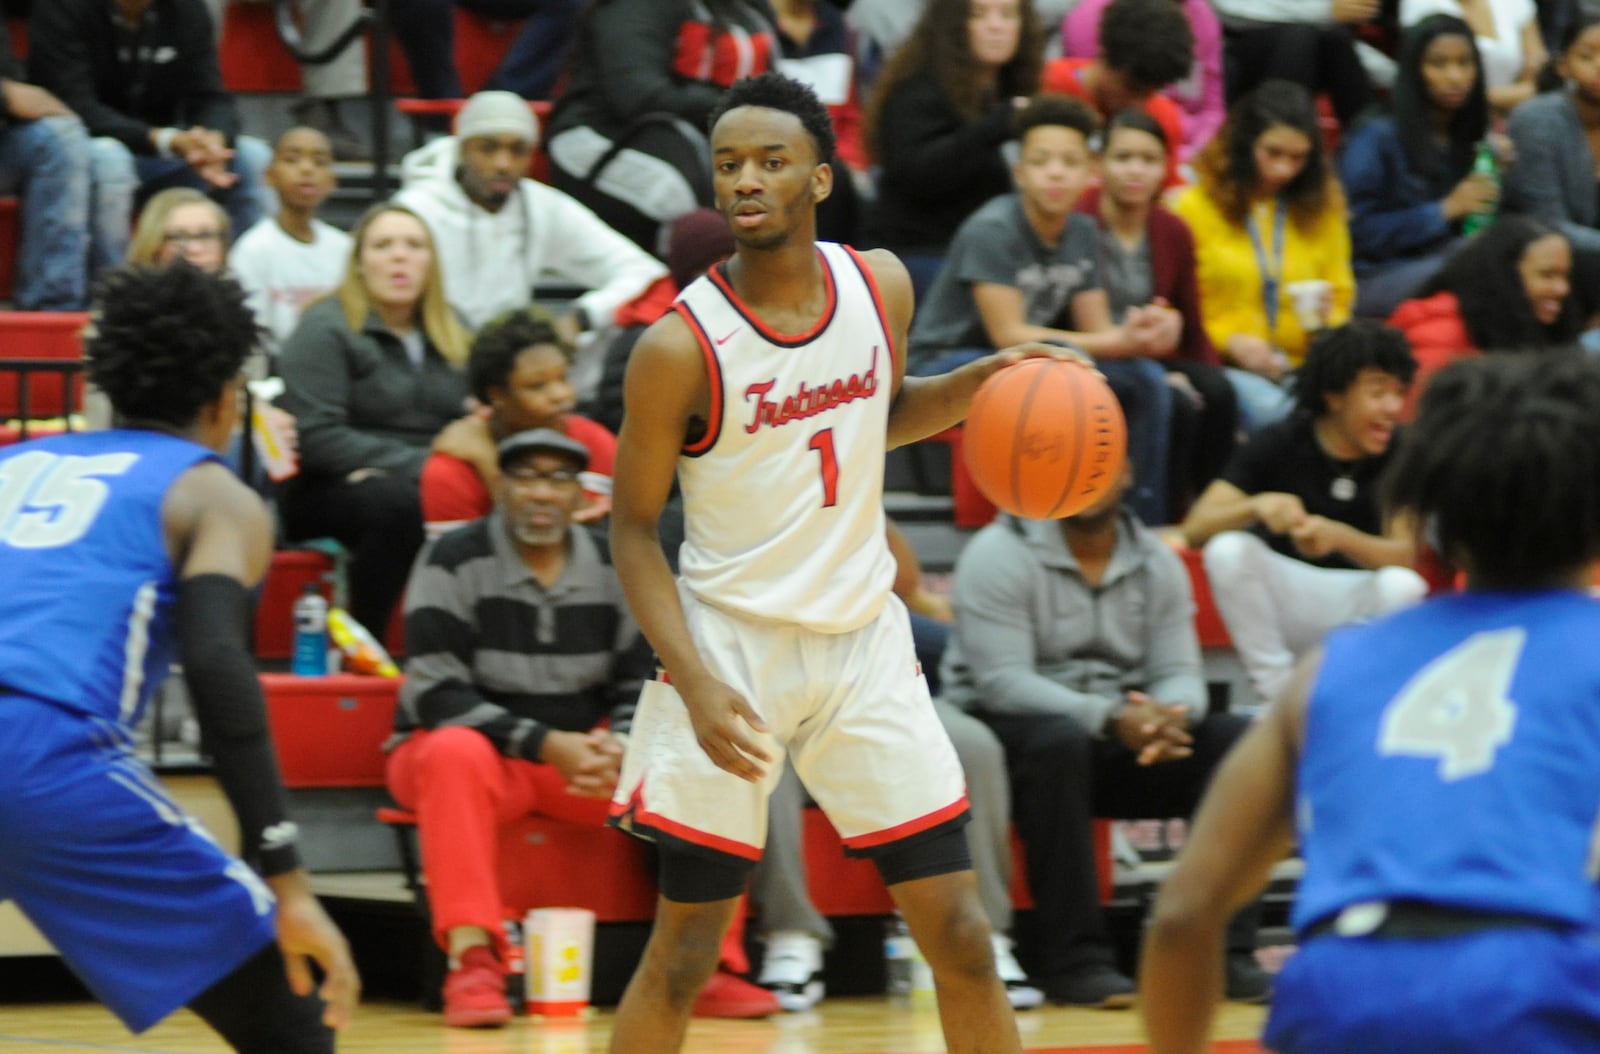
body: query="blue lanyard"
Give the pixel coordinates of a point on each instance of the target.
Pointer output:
(1271, 269)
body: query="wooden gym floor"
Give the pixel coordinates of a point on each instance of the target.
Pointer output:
(863, 1025)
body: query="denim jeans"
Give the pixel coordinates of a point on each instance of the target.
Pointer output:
(530, 66)
(123, 179)
(48, 160)
(1262, 401)
(1141, 387)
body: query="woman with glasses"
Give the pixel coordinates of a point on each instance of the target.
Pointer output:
(181, 223)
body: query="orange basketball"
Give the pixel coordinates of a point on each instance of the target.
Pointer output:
(1045, 438)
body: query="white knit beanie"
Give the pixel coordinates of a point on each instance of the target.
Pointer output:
(497, 113)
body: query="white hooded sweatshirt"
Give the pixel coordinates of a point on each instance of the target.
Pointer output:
(491, 261)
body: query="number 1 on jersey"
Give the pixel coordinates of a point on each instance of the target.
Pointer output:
(822, 443)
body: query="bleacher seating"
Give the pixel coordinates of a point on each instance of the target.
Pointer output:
(9, 235)
(39, 335)
(329, 731)
(254, 60)
(286, 577)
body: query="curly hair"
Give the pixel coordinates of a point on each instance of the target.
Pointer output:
(1485, 279)
(163, 342)
(502, 339)
(939, 44)
(1150, 42)
(1410, 104)
(1337, 356)
(1227, 165)
(1502, 467)
(774, 91)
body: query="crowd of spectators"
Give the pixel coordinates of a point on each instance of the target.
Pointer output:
(1221, 201)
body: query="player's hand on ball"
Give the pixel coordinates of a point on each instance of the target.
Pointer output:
(723, 722)
(1035, 349)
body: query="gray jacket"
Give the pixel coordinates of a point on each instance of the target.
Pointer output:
(1552, 178)
(1032, 637)
(358, 400)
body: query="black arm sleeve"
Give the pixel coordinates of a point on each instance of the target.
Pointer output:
(213, 615)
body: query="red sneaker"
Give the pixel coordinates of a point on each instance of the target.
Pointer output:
(728, 996)
(475, 992)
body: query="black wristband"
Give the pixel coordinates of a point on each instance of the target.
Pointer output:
(213, 612)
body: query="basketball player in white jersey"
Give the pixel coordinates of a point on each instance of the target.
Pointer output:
(771, 392)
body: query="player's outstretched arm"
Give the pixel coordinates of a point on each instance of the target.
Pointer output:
(220, 540)
(1244, 826)
(666, 392)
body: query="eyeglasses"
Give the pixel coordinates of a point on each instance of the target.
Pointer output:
(527, 477)
(188, 237)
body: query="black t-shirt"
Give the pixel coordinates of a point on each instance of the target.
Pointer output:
(1285, 457)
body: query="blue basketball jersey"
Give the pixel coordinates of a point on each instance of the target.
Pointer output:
(1452, 755)
(86, 587)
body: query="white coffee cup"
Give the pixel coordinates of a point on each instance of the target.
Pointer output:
(560, 960)
(1313, 301)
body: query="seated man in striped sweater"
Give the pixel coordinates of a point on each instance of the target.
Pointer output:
(521, 647)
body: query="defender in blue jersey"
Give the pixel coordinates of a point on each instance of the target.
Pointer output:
(1440, 769)
(119, 551)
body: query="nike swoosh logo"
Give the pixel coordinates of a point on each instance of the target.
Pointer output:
(723, 340)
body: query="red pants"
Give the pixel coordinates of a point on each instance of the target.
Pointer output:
(462, 790)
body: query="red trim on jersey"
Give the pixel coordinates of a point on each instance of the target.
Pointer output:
(910, 827)
(653, 821)
(719, 278)
(713, 374)
(877, 302)
(642, 819)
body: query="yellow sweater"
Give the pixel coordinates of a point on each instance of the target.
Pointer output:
(1230, 279)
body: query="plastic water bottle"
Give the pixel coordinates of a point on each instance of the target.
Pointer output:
(898, 952)
(310, 633)
(1484, 163)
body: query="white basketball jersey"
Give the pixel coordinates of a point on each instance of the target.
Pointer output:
(784, 492)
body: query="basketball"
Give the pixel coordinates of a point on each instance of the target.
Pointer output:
(1045, 439)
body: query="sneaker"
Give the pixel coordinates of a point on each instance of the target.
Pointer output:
(1019, 993)
(475, 991)
(1098, 985)
(728, 996)
(1247, 982)
(792, 970)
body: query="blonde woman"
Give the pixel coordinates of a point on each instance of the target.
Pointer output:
(181, 223)
(373, 372)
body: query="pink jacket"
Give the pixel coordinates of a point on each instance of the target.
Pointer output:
(1199, 95)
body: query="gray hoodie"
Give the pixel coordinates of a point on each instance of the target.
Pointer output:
(1032, 637)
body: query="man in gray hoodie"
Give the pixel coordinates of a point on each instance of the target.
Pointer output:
(1074, 641)
(499, 233)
